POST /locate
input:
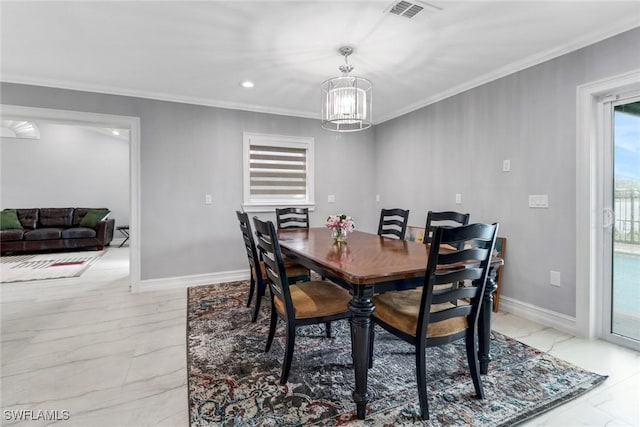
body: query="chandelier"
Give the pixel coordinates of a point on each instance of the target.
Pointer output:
(346, 100)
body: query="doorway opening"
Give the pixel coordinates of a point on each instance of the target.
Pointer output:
(131, 125)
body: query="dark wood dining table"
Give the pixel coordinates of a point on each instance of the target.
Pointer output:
(368, 264)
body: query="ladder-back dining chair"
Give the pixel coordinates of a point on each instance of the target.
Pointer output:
(393, 223)
(443, 219)
(304, 303)
(257, 284)
(426, 317)
(292, 218)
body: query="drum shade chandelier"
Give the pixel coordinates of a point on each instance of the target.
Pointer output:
(346, 100)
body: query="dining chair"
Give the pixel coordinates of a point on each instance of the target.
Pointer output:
(292, 218)
(256, 282)
(443, 219)
(426, 317)
(304, 303)
(393, 223)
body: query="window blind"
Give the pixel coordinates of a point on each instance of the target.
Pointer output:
(277, 173)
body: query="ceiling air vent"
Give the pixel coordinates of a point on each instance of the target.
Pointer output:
(410, 9)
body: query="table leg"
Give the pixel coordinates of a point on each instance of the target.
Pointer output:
(361, 308)
(484, 326)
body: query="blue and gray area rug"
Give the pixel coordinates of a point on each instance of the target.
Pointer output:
(233, 382)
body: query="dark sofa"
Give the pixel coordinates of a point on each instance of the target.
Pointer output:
(47, 229)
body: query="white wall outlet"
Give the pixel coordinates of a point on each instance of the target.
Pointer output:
(538, 200)
(331, 198)
(554, 278)
(506, 165)
(377, 197)
(207, 199)
(458, 198)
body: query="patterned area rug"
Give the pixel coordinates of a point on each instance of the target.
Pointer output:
(22, 268)
(233, 382)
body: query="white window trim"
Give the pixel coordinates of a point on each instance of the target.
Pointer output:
(307, 143)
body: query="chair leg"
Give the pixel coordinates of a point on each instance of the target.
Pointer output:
(421, 377)
(252, 286)
(256, 310)
(327, 327)
(288, 354)
(272, 326)
(474, 364)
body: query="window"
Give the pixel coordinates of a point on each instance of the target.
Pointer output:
(278, 171)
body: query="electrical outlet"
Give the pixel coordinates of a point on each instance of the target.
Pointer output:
(458, 199)
(331, 198)
(506, 165)
(377, 197)
(207, 199)
(554, 278)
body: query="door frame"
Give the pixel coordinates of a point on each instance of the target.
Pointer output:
(590, 144)
(83, 118)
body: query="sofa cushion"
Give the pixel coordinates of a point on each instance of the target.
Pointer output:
(93, 217)
(43, 234)
(28, 218)
(9, 220)
(11, 235)
(78, 233)
(56, 217)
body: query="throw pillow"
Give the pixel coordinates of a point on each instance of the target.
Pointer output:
(9, 220)
(93, 217)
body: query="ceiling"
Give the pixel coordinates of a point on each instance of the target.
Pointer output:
(199, 52)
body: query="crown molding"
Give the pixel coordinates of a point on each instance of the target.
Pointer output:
(158, 96)
(570, 46)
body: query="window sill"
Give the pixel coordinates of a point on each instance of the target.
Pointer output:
(266, 207)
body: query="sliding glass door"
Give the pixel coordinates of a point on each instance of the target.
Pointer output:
(622, 224)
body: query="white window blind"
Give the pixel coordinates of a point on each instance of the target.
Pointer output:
(278, 171)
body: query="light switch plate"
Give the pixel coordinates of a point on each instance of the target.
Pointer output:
(458, 198)
(207, 199)
(538, 200)
(554, 278)
(506, 165)
(331, 198)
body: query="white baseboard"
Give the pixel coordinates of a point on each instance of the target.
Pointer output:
(194, 280)
(540, 315)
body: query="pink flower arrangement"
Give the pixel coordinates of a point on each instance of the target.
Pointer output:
(341, 222)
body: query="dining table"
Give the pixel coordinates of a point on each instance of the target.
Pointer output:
(367, 264)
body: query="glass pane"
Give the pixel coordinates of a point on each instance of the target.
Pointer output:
(625, 315)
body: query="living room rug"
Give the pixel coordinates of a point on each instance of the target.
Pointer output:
(233, 382)
(22, 268)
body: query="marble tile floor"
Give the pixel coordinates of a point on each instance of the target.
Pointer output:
(111, 358)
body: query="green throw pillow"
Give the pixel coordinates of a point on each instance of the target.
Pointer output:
(9, 220)
(93, 217)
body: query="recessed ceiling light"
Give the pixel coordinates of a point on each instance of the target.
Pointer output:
(248, 84)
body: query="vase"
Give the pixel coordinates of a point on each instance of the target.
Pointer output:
(339, 235)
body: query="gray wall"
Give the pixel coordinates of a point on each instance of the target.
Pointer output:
(69, 166)
(187, 151)
(457, 146)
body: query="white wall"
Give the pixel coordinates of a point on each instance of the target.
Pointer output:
(69, 166)
(457, 146)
